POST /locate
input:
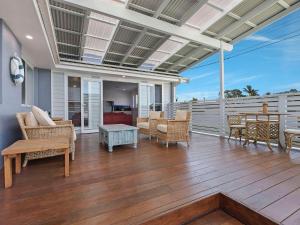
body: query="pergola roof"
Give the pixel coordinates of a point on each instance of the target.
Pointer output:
(84, 34)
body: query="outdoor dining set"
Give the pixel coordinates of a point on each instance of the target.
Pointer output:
(262, 126)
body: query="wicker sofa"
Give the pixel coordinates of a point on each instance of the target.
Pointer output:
(62, 128)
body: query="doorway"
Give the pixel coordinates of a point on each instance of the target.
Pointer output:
(84, 103)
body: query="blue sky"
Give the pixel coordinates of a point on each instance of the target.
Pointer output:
(274, 68)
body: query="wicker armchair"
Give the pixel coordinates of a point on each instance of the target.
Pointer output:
(62, 128)
(174, 130)
(148, 125)
(236, 125)
(289, 135)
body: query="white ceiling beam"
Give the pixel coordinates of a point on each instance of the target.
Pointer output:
(140, 36)
(283, 4)
(102, 20)
(234, 16)
(186, 57)
(249, 15)
(117, 10)
(69, 45)
(67, 10)
(67, 31)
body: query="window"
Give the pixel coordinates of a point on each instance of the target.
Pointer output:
(28, 86)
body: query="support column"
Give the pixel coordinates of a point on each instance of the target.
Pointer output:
(222, 96)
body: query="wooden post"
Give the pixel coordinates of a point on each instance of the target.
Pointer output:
(222, 96)
(282, 108)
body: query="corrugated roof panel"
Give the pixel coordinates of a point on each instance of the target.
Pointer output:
(131, 60)
(267, 14)
(237, 32)
(205, 11)
(200, 53)
(115, 47)
(114, 57)
(291, 2)
(148, 41)
(68, 49)
(221, 24)
(66, 6)
(96, 43)
(246, 6)
(185, 50)
(67, 21)
(173, 59)
(131, 25)
(103, 17)
(69, 38)
(92, 52)
(139, 52)
(100, 29)
(152, 5)
(127, 36)
(177, 8)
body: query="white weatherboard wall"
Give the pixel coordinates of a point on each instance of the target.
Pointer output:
(166, 94)
(58, 95)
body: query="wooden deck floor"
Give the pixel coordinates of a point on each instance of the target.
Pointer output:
(130, 186)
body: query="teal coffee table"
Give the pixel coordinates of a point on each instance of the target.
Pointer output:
(118, 134)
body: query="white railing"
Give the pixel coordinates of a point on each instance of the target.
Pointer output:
(210, 116)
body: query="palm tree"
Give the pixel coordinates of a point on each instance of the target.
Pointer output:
(250, 91)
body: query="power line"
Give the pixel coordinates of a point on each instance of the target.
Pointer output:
(246, 52)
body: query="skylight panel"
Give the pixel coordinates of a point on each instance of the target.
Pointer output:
(100, 31)
(210, 13)
(166, 50)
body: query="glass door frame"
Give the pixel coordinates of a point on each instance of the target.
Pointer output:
(83, 78)
(148, 98)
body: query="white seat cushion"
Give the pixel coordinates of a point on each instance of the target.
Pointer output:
(143, 125)
(154, 115)
(162, 128)
(293, 131)
(42, 117)
(238, 126)
(30, 120)
(181, 115)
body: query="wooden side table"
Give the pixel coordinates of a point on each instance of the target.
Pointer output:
(35, 145)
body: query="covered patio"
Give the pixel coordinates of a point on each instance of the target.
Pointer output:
(132, 186)
(95, 70)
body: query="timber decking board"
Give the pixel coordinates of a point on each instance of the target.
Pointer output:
(130, 187)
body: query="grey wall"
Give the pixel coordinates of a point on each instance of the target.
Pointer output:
(42, 86)
(11, 94)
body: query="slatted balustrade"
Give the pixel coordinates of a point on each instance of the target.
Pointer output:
(207, 117)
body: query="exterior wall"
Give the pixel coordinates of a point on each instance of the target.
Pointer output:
(42, 86)
(58, 97)
(11, 96)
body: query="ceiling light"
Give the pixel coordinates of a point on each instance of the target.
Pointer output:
(29, 37)
(123, 89)
(123, 76)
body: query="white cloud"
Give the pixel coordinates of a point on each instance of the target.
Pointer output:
(201, 76)
(186, 96)
(242, 80)
(259, 38)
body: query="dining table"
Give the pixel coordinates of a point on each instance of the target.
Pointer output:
(264, 127)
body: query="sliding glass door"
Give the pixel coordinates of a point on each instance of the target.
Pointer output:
(146, 99)
(91, 98)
